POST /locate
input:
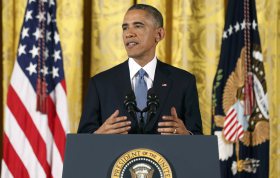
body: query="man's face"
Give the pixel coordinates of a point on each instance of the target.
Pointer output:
(140, 34)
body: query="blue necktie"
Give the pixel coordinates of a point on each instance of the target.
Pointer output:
(141, 89)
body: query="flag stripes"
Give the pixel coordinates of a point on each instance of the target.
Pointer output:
(22, 148)
(6, 173)
(56, 127)
(35, 137)
(33, 120)
(29, 101)
(232, 128)
(27, 126)
(13, 162)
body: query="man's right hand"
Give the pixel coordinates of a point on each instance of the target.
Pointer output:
(115, 125)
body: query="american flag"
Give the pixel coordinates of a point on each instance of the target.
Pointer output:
(233, 129)
(36, 115)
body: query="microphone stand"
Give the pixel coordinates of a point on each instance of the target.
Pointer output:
(131, 107)
(141, 122)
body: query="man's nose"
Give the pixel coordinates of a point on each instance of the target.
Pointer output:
(130, 34)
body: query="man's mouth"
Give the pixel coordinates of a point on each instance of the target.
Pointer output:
(131, 44)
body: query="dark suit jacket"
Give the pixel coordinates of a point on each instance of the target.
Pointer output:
(174, 87)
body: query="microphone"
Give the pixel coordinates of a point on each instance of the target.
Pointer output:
(130, 104)
(152, 103)
(132, 109)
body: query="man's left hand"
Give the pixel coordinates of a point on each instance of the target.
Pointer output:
(172, 125)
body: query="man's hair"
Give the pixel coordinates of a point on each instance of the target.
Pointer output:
(151, 10)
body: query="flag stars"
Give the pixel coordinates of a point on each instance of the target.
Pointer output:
(24, 33)
(41, 16)
(28, 15)
(56, 37)
(56, 55)
(46, 54)
(236, 27)
(34, 51)
(21, 49)
(55, 72)
(230, 30)
(32, 68)
(38, 33)
(225, 34)
(243, 25)
(48, 37)
(248, 24)
(51, 3)
(45, 71)
(254, 24)
(49, 18)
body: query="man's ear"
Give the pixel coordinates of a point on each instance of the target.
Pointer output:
(159, 34)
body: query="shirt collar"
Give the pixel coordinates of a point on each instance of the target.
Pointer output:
(150, 68)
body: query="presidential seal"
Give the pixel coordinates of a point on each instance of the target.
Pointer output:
(141, 163)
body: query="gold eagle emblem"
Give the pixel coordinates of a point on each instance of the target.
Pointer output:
(258, 129)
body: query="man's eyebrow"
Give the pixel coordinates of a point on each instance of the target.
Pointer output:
(124, 25)
(138, 23)
(134, 23)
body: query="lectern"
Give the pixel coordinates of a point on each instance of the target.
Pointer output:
(147, 156)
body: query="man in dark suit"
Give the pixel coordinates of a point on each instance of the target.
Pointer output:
(178, 113)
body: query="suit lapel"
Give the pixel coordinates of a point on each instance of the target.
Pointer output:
(123, 86)
(162, 84)
(122, 81)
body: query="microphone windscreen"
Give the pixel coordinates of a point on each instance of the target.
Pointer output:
(130, 95)
(130, 102)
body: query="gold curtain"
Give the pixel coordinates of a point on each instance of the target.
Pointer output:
(107, 47)
(193, 41)
(70, 26)
(269, 28)
(12, 16)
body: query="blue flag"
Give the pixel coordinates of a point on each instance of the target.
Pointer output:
(240, 117)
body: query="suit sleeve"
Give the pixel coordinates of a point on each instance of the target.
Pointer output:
(192, 115)
(90, 119)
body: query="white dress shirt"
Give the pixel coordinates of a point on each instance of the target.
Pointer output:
(150, 69)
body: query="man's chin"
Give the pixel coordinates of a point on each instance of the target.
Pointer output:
(134, 56)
